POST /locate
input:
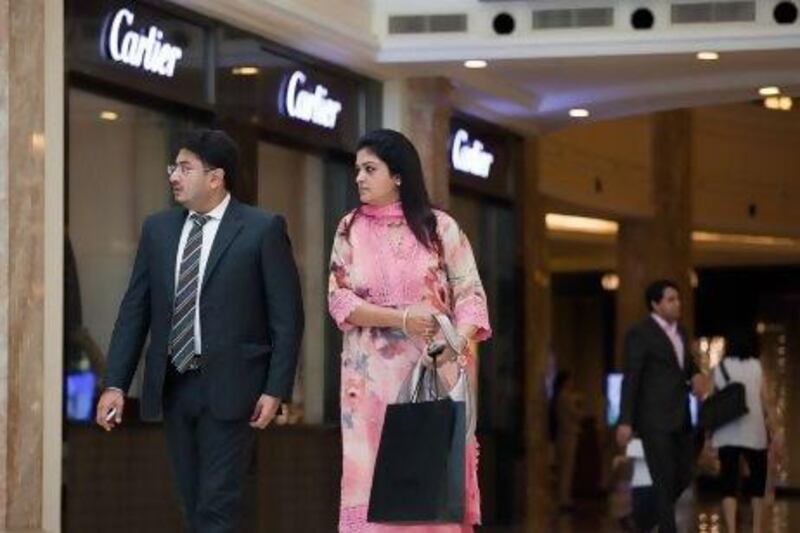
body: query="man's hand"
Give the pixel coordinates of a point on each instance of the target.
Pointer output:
(624, 434)
(265, 411)
(701, 385)
(110, 399)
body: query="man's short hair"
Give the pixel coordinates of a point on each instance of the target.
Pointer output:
(655, 291)
(216, 149)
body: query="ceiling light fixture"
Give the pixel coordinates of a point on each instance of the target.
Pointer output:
(578, 112)
(559, 222)
(245, 71)
(610, 281)
(778, 103)
(769, 91)
(475, 63)
(707, 56)
(748, 240)
(108, 115)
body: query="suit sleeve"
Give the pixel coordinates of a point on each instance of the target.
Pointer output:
(690, 364)
(634, 364)
(284, 305)
(133, 321)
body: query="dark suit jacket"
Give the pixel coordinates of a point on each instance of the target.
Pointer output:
(655, 388)
(251, 314)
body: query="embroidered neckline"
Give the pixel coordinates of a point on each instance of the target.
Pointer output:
(393, 210)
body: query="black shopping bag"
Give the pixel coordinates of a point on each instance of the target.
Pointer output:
(419, 470)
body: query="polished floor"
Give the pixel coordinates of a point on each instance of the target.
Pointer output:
(597, 516)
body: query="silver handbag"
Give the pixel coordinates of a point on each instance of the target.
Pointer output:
(422, 384)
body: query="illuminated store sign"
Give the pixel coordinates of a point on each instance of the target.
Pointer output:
(470, 158)
(309, 104)
(143, 49)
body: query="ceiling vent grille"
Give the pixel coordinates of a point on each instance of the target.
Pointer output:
(710, 12)
(449, 23)
(594, 17)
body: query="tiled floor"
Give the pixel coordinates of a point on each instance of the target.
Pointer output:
(593, 516)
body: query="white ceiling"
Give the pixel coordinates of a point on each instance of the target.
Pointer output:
(534, 78)
(536, 94)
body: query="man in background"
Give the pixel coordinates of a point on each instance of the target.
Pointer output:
(659, 373)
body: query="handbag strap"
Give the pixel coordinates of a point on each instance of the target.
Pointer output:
(450, 334)
(724, 371)
(433, 354)
(452, 338)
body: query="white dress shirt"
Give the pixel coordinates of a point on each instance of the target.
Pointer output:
(210, 229)
(674, 336)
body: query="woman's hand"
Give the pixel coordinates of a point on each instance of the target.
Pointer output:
(419, 322)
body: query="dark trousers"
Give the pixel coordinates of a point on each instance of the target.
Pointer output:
(729, 471)
(645, 513)
(209, 456)
(669, 458)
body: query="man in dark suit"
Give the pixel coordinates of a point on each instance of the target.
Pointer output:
(659, 373)
(215, 284)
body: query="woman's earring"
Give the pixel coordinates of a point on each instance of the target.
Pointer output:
(397, 182)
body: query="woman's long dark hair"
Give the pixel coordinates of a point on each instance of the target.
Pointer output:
(394, 149)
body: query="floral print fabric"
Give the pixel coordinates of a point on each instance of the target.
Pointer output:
(381, 262)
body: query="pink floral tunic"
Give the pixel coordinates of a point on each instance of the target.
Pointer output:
(381, 262)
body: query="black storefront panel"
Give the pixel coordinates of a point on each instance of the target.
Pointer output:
(139, 47)
(299, 100)
(483, 157)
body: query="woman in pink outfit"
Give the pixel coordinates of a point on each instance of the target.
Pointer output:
(395, 262)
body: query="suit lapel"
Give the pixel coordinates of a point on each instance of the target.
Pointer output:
(665, 342)
(172, 238)
(229, 228)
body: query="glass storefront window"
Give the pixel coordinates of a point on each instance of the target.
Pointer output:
(312, 191)
(491, 229)
(116, 178)
(290, 183)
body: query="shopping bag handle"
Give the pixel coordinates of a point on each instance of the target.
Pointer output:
(449, 331)
(434, 351)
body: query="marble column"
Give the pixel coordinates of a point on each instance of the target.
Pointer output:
(659, 247)
(421, 108)
(31, 221)
(537, 327)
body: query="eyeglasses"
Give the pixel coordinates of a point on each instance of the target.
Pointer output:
(184, 170)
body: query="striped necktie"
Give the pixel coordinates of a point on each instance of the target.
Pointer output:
(181, 338)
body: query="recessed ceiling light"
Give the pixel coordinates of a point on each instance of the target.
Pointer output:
(475, 63)
(108, 115)
(707, 56)
(769, 91)
(560, 222)
(579, 112)
(778, 103)
(245, 71)
(610, 281)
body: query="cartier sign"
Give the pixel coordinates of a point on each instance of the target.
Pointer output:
(309, 103)
(470, 157)
(141, 48)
